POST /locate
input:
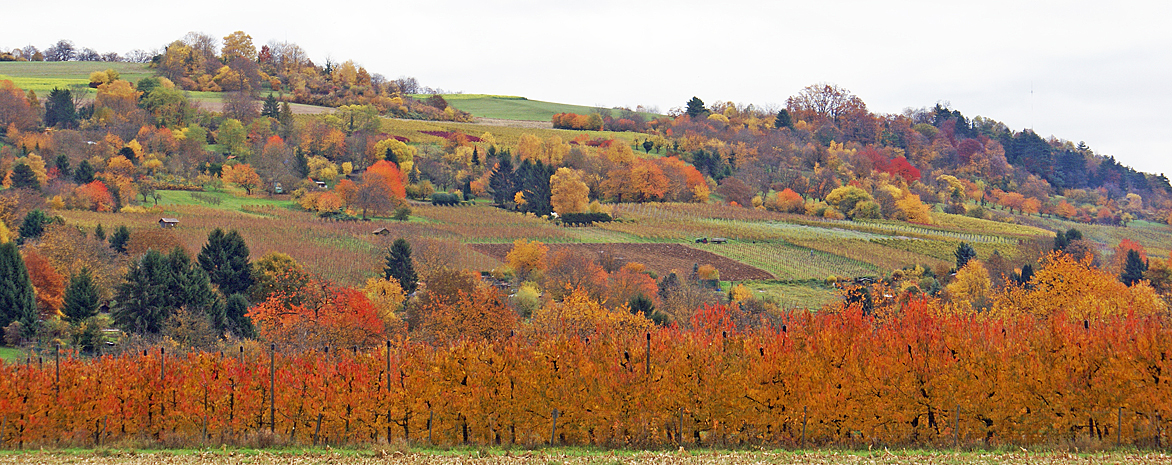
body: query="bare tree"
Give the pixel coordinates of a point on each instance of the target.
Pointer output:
(240, 105)
(63, 50)
(139, 56)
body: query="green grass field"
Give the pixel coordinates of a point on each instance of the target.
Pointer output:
(515, 108)
(41, 77)
(9, 354)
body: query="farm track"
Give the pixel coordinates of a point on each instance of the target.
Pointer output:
(663, 258)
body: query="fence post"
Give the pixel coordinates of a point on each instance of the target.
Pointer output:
(680, 421)
(3, 426)
(804, 426)
(956, 429)
(430, 417)
(162, 363)
(388, 374)
(553, 432)
(1119, 429)
(272, 388)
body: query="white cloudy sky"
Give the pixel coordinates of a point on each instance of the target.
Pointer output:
(1091, 71)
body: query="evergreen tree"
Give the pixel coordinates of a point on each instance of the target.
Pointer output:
(225, 259)
(144, 297)
(1073, 235)
(964, 253)
(100, 233)
(466, 189)
(24, 177)
(1133, 269)
(156, 285)
(62, 164)
(533, 180)
(84, 173)
(235, 312)
(120, 238)
(271, 108)
(783, 120)
(59, 109)
(81, 297)
(1060, 241)
(475, 156)
(696, 108)
(399, 266)
(17, 296)
(501, 182)
(33, 225)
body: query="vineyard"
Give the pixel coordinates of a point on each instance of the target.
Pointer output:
(662, 258)
(788, 262)
(830, 378)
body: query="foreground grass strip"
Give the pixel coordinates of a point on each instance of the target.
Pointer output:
(574, 456)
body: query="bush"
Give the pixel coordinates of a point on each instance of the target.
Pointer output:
(445, 199)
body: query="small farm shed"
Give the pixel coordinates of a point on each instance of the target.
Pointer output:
(381, 232)
(168, 222)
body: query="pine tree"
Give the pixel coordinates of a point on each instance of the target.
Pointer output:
(235, 315)
(225, 259)
(783, 120)
(81, 297)
(33, 225)
(84, 173)
(59, 109)
(502, 181)
(399, 266)
(1133, 269)
(271, 108)
(144, 295)
(120, 238)
(695, 108)
(99, 232)
(24, 177)
(62, 164)
(17, 296)
(964, 253)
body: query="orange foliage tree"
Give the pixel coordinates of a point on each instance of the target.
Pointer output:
(48, 283)
(318, 315)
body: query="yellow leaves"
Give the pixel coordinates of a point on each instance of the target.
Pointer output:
(527, 257)
(740, 293)
(708, 272)
(321, 169)
(569, 194)
(5, 234)
(916, 211)
(550, 151)
(971, 288)
(386, 295)
(1078, 289)
(580, 315)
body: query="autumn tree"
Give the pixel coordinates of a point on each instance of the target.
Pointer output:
(322, 316)
(568, 194)
(527, 258)
(47, 282)
(276, 273)
(381, 189)
(971, 290)
(242, 175)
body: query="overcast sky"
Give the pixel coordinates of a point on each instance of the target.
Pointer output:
(1090, 71)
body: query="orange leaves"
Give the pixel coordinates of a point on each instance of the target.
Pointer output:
(387, 176)
(49, 284)
(93, 196)
(527, 257)
(242, 175)
(318, 315)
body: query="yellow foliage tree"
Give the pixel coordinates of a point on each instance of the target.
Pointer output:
(970, 291)
(386, 295)
(1083, 292)
(568, 193)
(527, 258)
(580, 315)
(916, 211)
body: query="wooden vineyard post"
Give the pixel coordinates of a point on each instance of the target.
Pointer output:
(680, 420)
(57, 362)
(553, 432)
(162, 364)
(956, 429)
(430, 417)
(1119, 429)
(803, 446)
(272, 388)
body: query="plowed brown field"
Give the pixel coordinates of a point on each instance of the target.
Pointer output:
(662, 258)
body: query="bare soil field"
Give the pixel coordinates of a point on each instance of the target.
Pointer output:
(513, 123)
(578, 457)
(662, 258)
